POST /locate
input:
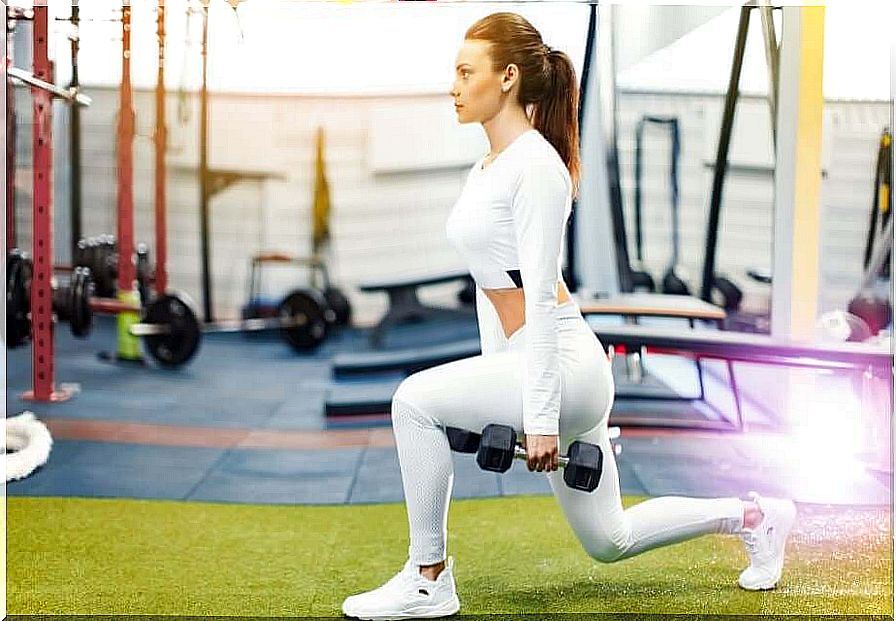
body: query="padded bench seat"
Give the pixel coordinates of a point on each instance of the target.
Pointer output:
(653, 305)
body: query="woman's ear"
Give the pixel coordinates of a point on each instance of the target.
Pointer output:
(511, 74)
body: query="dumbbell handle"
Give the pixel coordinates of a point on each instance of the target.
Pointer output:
(520, 453)
(614, 432)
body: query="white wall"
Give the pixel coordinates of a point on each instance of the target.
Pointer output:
(386, 224)
(381, 223)
(850, 141)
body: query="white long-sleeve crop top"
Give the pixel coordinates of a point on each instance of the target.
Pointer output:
(508, 225)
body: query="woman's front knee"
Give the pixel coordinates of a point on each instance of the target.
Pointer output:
(406, 402)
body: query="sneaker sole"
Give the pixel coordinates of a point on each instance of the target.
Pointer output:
(762, 587)
(790, 517)
(450, 608)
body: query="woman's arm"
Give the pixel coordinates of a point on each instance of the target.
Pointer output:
(539, 207)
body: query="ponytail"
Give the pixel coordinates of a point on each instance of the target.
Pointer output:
(556, 114)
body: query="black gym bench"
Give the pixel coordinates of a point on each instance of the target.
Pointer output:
(697, 344)
(630, 306)
(744, 347)
(404, 305)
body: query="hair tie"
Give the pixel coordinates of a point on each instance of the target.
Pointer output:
(547, 48)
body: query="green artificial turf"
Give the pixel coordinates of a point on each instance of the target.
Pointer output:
(512, 554)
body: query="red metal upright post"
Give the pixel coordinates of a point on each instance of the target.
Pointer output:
(161, 140)
(42, 366)
(127, 272)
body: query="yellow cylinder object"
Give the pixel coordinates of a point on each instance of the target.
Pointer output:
(128, 344)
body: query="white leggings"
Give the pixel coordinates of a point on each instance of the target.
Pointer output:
(476, 391)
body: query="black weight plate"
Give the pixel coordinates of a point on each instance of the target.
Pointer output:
(312, 306)
(108, 269)
(181, 343)
(80, 292)
(18, 304)
(340, 305)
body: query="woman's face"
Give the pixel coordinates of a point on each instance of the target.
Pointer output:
(477, 90)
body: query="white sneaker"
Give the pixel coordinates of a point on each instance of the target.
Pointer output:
(765, 543)
(407, 595)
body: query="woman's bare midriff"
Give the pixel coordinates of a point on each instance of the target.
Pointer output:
(510, 305)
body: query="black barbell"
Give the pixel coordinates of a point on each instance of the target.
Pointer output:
(171, 330)
(70, 301)
(169, 325)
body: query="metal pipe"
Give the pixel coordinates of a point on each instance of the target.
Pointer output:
(63, 93)
(75, 137)
(772, 63)
(721, 166)
(204, 189)
(161, 142)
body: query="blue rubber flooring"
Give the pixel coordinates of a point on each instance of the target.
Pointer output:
(258, 382)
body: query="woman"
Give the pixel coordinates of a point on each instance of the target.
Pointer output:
(508, 225)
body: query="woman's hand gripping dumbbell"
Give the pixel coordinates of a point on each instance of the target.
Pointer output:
(496, 448)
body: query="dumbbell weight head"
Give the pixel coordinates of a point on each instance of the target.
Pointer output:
(585, 466)
(496, 448)
(462, 440)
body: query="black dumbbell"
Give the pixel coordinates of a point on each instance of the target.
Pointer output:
(496, 448)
